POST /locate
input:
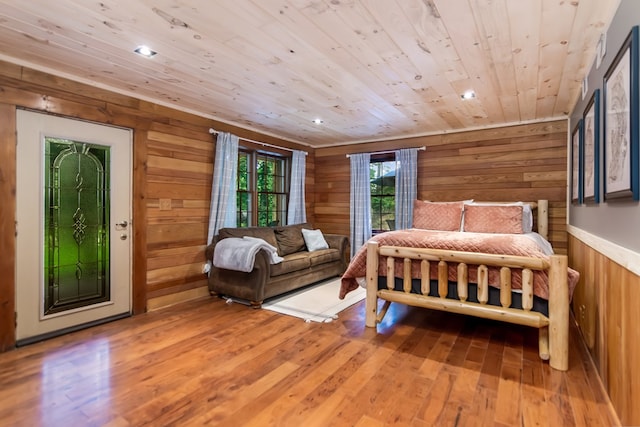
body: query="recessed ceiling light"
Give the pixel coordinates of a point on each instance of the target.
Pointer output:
(318, 121)
(468, 95)
(145, 51)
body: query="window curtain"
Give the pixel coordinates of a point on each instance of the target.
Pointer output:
(222, 212)
(296, 212)
(406, 186)
(360, 201)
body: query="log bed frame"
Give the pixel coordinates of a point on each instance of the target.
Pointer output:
(553, 336)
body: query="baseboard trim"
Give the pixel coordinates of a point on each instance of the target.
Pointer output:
(171, 299)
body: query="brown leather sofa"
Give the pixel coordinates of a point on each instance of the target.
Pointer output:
(299, 267)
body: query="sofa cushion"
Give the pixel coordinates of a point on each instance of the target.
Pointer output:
(289, 238)
(265, 233)
(323, 256)
(292, 262)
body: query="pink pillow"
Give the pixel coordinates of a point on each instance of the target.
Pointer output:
(493, 219)
(444, 216)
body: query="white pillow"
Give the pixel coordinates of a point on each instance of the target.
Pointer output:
(527, 218)
(314, 240)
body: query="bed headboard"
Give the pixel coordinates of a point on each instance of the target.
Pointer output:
(542, 217)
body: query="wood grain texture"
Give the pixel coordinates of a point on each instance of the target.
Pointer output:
(605, 304)
(7, 225)
(139, 203)
(369, 69)
(209, 363)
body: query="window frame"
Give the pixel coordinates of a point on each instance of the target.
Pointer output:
(248, 191)
(253, 212)
(379, 159)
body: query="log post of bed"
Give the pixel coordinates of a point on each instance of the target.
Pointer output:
(371, 303)
(558, 313)
(543, 218)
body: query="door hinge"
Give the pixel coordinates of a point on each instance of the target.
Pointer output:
(16, 228)
(15, 319)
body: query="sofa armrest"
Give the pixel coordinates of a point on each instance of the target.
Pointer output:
(248, 286)
(339, 242)
(335, 241)
(208, 252)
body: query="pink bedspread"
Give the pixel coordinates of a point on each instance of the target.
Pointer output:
(505, 244)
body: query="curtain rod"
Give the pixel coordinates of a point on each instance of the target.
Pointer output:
(388, 151)
(212, 131)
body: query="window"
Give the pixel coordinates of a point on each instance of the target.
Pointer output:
(383, 199)
(272, 198)
(261, 189)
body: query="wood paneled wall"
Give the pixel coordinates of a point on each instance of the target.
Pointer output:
(7, 226)
(179, 173)
(526, 162)
(605, 304)
(172, 172)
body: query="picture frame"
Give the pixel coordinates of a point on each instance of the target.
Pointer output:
(576, 164)
(620, 130)
(591, 151)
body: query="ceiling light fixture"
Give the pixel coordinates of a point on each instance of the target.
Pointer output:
(468, 95)
(145, 51)
(318, 121)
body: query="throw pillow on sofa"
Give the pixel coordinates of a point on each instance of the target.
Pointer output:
(314, 240)
(290, 239)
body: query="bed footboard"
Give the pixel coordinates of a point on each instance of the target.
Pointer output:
(553, 330)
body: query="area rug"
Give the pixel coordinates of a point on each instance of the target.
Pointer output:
(317, 303)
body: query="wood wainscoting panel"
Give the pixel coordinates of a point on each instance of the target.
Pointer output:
(606, 304)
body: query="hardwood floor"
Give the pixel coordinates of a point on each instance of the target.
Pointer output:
(210, 363)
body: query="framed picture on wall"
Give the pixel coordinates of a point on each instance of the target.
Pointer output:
(591, 152)
(576, 161)
(621, 123)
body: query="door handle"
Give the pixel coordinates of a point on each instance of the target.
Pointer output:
(121, 225)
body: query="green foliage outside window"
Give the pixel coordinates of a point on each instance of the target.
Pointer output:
(243, 194)
(271, 190)
(383, 200)
(269, 196)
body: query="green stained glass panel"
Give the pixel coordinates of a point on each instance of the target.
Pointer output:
(76, 224)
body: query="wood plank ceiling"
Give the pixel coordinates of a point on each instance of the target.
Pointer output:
(369, 69)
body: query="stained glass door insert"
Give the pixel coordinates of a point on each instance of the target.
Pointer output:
(76, 228)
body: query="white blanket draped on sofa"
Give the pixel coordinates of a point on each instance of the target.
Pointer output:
(235, 253)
